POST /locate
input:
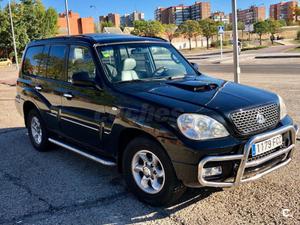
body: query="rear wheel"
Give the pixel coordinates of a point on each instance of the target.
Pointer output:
(149, 173)
(37, 131)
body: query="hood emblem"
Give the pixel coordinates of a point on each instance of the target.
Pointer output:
(260, 118)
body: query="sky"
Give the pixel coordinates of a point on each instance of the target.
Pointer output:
(103, 7)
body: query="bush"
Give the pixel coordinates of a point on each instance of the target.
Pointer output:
(216, 44)
(298, 35)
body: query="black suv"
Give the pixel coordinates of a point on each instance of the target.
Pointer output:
(137, 103)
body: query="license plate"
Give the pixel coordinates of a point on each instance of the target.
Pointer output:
(267, 145)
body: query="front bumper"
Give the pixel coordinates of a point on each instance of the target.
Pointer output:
(243, 163)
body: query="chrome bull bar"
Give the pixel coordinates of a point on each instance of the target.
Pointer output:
(243, 158)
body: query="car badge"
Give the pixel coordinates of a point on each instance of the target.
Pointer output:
(260, 118)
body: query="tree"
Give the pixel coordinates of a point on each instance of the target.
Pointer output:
(189, 29)
(297, 13)
(282, 23)
(50, 23)
(170, 31)
(273, 28)
(31, 21)
(241, 27)
(147, 28)
(155, 29)
(209, 29)
(140, 27)
(261, 28)
(106, 24)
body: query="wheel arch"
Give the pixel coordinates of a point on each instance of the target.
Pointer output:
(27, 107)
(128, 135)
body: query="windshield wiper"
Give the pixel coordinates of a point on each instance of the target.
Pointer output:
(172, 77)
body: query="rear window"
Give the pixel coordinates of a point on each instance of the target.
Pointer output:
(57, 62)
(33, 59)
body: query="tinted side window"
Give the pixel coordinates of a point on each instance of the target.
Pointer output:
(32, 60)
(81, 61)
(56, 62)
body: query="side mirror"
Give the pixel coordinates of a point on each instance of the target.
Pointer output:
(196, 66)
(82, 79)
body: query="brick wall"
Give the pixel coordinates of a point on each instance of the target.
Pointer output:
(77, 25)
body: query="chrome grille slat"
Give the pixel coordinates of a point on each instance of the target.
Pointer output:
(245, 121)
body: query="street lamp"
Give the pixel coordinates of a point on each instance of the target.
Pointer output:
(97, 22)
(13, 35)
(236, 62)
(67, 17)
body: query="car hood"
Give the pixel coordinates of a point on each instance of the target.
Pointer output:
(203, 91)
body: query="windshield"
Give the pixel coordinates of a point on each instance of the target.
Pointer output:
(143, 61)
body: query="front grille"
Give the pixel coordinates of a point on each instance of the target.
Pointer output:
(246, 121)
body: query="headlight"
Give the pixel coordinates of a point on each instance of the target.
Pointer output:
(200, 127)
(282, 108)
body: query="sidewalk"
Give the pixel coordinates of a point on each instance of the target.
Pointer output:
(276, 53)
(8, 75)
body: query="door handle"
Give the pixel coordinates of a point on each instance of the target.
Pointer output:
(68, 96)
(38, 88)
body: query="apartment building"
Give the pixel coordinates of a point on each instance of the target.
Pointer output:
(284, 10)
(128, 19)
(179, 14)
(251, 15)
(200, 10)
(77, 25)
(220, 17)
(114, 18)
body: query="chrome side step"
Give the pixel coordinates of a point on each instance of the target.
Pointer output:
(94, 158)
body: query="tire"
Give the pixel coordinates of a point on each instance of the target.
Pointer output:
(36, 126)
(165, 189)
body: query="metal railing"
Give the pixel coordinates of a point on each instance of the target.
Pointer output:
(243, 158)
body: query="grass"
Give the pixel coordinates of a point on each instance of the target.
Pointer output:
(294, 50)
(204, 49)
(254, 48)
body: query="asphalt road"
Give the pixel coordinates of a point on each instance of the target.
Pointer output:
(59, 187)
(254, 69)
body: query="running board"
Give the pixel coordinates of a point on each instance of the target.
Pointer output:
(82, 153)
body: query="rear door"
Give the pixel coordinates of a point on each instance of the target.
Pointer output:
(50, 86)
(82, 110)
(48, 97)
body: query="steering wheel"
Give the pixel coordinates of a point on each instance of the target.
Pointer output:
(162, 69)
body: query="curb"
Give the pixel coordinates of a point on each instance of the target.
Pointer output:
(277, 56)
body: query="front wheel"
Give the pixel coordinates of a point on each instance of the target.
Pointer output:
(149, 173)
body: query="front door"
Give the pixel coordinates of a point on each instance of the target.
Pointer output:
(82, 106)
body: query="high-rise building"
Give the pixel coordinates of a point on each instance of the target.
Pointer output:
(284, 10)
(114, 18)
(77, 25)
(251, 15)
(220, 17)
(179, 14)
(128, 19)
(200, 10)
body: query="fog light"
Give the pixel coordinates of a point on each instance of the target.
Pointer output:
(212, 171)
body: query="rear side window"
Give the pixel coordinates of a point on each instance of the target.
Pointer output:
(56, 62)
(33, 59)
